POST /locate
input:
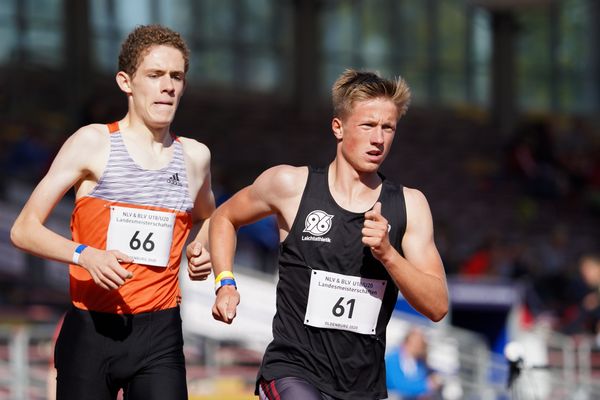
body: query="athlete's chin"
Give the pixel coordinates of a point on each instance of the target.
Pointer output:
(368, 168)
(161, 122)
(373, 164)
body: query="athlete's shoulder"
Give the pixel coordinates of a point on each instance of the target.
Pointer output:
(196, 150)
(92, 134)
(286, 174)
(412, 194)
(88, 140)
(416, 202)
(193, 145)
(284, 180)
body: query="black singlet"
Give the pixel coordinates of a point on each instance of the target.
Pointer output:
(326, 237)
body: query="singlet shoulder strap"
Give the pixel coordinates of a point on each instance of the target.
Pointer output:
(113, 127)
(316, 169)
(316, 180)
(394, 205)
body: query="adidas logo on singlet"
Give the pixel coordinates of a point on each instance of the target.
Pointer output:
(174, 180)
(317, 223)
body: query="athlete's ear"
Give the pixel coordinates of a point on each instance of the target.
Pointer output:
(337, 128)
(124, 81)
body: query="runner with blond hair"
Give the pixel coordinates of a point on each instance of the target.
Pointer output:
(350, 239)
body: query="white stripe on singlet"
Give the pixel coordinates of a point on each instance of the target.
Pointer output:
(125, 181)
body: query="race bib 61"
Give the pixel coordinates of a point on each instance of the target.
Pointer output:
(350, 303)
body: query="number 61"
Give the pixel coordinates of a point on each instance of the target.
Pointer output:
(338, 309)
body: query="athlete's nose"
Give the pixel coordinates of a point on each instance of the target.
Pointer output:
(167, 84)
(377, 135)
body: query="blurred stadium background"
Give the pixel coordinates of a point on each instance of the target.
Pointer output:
(502, 136)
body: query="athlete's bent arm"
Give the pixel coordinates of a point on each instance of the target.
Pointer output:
(419, 275)
(275, 191)
(76, 162)
(199, 181)
(243, 208)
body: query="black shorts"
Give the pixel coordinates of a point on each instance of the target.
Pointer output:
(97, 354)
(290, 388)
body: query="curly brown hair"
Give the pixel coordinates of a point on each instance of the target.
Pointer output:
(142, 38)
(354, 86)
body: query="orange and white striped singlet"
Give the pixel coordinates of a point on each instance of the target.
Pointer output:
(143, 213)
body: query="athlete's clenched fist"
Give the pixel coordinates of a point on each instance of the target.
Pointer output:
(199, 266)
(375, 232)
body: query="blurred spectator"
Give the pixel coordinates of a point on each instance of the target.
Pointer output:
(491, 258)
(552, 251)
(548, 272)
(510, 262)
(587, 312)
(479, 262)
(407, 373)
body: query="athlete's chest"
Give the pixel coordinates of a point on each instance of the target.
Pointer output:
(324, 221)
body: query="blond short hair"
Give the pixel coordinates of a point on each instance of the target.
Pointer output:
(353, 86)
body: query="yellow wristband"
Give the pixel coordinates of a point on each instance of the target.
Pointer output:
(223, 275)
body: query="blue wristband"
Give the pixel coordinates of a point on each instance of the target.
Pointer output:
(226, 281)
(77, 253)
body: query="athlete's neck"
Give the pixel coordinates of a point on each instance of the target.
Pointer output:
(152, 135)
(351, 189)
(150, 149)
